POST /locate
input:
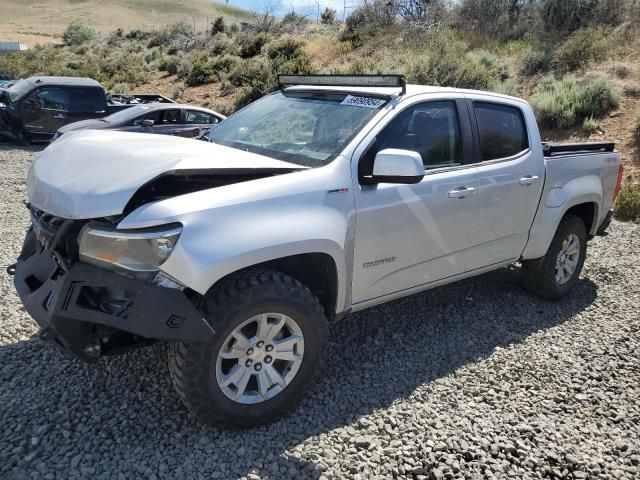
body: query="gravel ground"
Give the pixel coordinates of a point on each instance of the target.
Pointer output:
(473, 380)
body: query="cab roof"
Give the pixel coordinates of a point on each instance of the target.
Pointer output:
(411, 89)
(66, 81)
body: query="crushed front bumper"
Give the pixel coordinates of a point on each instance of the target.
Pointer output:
(82, 308)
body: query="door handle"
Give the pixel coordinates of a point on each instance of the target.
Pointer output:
(528, 179)
(461, 192)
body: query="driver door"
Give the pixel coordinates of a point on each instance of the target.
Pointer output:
(412, 235)
(45, 111)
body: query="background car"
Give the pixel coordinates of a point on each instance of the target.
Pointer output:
(164, 119)
(33, 109)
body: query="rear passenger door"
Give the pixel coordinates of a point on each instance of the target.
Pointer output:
(196, 121)
(510, 179)
(86, 103)
(169, 123)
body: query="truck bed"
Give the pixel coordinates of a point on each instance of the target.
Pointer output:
(563, 149)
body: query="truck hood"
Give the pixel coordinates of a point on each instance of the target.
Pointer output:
(94, 174)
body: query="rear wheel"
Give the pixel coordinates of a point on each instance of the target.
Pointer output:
(269, 347)
(554, 276)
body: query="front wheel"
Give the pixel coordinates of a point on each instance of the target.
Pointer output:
(554, 276)
(22, 137)
(269, 347)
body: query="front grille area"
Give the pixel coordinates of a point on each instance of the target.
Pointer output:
(45, 225)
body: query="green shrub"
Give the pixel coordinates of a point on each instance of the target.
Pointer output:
(329, 16)
(251, 44)
(580, 49)
(223, 65)
(244, 72)
(534, 61)
(492, 63)
(78, 33)
(119, 88)
(217, 26)
(202, 71)
(627, 205)
(590, 125)
(567, 102)
(263, 82)
(505, 87)
(169, 65)
(286, 48)
(222, 45)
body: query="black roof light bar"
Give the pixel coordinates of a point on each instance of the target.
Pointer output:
(389, 81)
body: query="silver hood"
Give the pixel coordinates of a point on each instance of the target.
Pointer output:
(93, 174)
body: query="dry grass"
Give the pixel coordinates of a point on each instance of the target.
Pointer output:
(38, 21)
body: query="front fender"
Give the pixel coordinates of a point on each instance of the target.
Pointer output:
(555, 203)
(209, 251)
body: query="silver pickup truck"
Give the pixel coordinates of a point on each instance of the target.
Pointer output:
(329, 196)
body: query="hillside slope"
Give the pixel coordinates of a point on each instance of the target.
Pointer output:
(39, 21)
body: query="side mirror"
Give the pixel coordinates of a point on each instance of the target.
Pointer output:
(148, 123)
(393, 165)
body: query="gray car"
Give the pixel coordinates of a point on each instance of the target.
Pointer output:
(164, 119)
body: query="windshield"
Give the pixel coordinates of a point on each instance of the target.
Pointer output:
(127, 114)
(307, 128)
(18, 89)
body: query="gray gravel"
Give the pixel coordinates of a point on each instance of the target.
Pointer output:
(473, 380)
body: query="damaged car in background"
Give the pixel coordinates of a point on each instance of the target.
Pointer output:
(33, 109)
(329, 196)
(162, 119)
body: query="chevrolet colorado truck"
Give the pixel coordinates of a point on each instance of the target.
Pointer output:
(329, 196)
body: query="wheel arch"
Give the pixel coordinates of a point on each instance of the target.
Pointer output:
(317, 271)
(581, 197)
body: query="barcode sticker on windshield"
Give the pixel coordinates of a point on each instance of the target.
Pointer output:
(366, 102)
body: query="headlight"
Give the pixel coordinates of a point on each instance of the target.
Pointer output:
(136, 251)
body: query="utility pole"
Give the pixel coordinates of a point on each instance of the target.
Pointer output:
(318, 16)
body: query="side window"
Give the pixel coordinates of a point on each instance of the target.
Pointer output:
(86, 100)
(48, 99)
(170, 117)
(502, 130)
(155, 116)
(194, 116)
(432, 129)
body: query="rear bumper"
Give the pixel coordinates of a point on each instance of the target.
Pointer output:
(79, 308)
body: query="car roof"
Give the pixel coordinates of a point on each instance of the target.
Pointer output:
(66, 81)
(173, 106)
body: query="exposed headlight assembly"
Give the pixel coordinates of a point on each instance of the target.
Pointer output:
(133, 250)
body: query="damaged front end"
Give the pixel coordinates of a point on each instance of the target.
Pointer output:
(91, 311)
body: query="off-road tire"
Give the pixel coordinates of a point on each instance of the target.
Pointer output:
(539, 275)
(193, 365)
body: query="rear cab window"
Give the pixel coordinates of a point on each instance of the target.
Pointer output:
(502, 130)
